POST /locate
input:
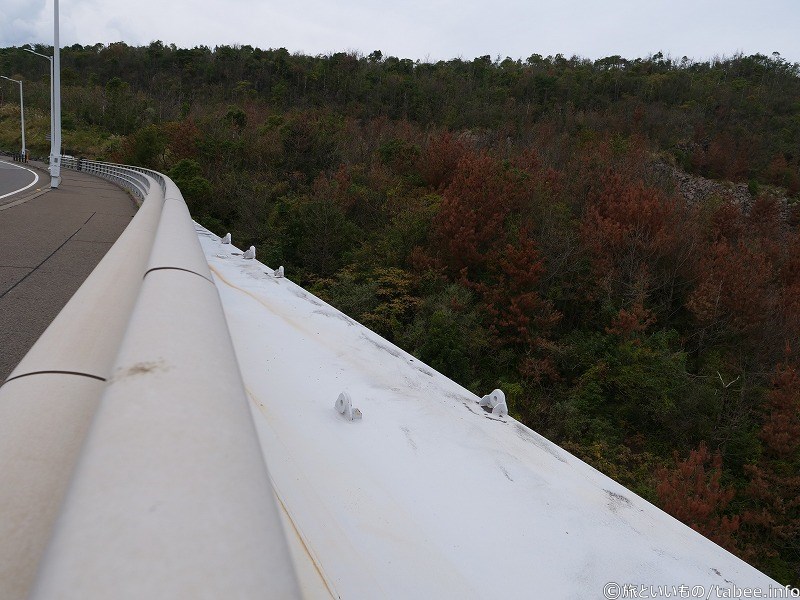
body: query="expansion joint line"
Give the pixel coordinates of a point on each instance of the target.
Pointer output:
(55, 372)
(33, 270)
(178, 269)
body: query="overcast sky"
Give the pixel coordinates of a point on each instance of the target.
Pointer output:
(424, 29)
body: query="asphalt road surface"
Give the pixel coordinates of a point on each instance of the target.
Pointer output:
(15, 178)
(50, 240)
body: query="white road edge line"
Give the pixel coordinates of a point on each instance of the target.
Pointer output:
(35, 179)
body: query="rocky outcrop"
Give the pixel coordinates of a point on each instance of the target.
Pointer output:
(696, 189)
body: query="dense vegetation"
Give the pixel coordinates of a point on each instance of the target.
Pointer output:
(515, 224)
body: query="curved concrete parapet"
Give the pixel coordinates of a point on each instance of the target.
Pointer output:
(130, 463)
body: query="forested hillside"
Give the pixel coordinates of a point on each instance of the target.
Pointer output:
(530, 225)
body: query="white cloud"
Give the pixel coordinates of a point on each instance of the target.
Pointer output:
(438, 29)
(20, 21)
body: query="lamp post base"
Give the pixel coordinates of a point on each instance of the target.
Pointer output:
(55, 171)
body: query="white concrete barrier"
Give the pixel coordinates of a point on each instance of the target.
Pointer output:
(49, 400)
(130, 464)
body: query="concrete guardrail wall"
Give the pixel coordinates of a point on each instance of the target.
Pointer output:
(130, 464)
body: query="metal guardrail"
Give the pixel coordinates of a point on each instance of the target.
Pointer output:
(133, 179)
(19, 157)
(130, 463)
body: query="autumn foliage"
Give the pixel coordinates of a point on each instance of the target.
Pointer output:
(474, 242)
(639, 239)
(693, 493)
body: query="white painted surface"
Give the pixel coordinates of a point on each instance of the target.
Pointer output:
(170, 497)
(428, 496)
(43, 421)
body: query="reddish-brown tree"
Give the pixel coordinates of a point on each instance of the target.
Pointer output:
(692, 492)
(746, 280)
(182, 138)
(733, 286)
(480, 238)
(470, 225)
(438, 160)
(640, 242)
(628, 323)
(781, 429)
(772, 524)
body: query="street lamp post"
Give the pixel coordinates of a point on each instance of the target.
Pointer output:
(21, 113)
(52, 114)
(55, 148)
